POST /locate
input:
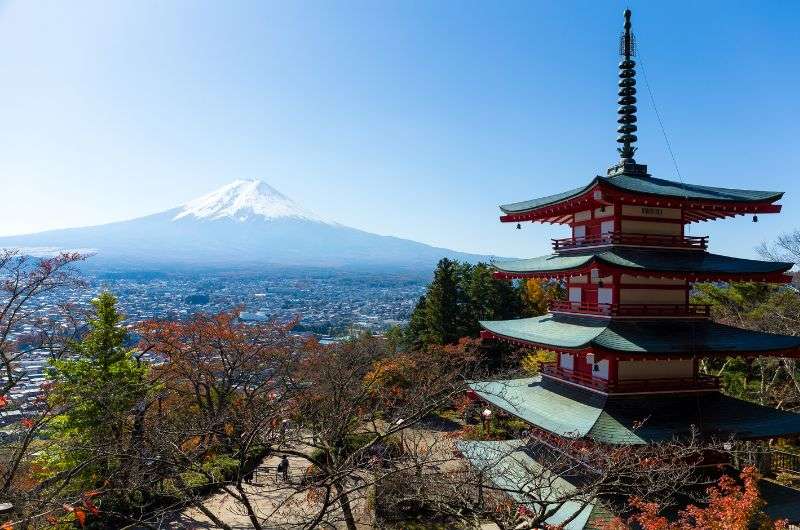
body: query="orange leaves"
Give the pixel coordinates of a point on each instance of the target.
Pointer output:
(390, 375)
(7, 526)
(87, 507)
(27, 423)
(88, 503)
(3, 401)
(730, 507)
(80, 516)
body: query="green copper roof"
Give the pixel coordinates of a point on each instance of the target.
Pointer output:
(651, 186)
(683, 261)
(640, 336)
(577, 413)
(782, 502)
(510, 467)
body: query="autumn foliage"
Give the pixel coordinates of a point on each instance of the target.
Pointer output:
(730, 506)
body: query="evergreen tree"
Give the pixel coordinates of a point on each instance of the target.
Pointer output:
(101, 389)
(415, 331)
(489, 298)
(459, 296)
(443, 304)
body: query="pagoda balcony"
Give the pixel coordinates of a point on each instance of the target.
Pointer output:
(632, 310)
(701, 383)
(634, 240)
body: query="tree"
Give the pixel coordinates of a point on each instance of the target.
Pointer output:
(444, 303)
(99, 391)
(226, 388)
(26, 283)
(771, 381)
(531, 362)
(523, 483)
(359, 404)
(729, 506)
(460, 296)
(537, 294)
(489, 298)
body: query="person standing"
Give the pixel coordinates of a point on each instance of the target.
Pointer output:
(283, 469)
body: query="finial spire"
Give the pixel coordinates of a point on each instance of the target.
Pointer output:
(627, 104)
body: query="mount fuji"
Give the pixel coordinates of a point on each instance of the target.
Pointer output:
(246, 223)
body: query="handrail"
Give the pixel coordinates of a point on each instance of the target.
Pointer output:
(620, 238)
(701, 382)
(631, 310)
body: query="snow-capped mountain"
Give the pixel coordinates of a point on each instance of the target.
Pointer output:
(246, 223)
(243, 200)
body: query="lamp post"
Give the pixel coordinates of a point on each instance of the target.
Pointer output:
(399, 424)
(486, 415)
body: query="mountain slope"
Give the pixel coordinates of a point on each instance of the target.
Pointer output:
(243, 224)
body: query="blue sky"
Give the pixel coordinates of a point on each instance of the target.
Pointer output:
(407, 118)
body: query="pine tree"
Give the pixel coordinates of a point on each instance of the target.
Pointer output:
(489, 298)
(442, 312)
(100, 388)
(459, 296)
(416, 329)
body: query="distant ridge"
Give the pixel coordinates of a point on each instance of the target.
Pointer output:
(246, 223)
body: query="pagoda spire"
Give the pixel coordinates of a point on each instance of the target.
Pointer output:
(627, 105)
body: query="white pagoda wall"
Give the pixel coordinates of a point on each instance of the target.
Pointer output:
(655, 369)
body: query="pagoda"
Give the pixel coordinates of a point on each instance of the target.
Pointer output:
(626, 337)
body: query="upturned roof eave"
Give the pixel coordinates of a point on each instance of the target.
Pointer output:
(574, 413)
(521, 207)
(611, 262)
(638, 339)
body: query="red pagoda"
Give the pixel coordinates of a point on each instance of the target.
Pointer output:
(627, 339)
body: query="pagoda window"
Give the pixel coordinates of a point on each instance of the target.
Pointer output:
(600, 370)
(579, 231)
(606, 211)
(583, 216)
(605, 295)
(606, 227)
(567, 361)
(575, 294)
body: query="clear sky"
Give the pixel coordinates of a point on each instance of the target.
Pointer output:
(409, 118)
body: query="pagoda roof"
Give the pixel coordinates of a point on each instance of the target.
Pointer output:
(575, 412)
(782, 502)
(640, 338)
(646, 185)
(510, 466)
(702, 265)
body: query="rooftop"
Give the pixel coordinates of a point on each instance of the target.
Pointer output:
(651, 186)
(510, 467)
(633, 260)
(577, 413)
(640, 338)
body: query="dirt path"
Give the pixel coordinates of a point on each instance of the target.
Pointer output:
(278, 504)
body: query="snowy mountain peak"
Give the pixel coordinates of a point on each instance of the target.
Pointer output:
(245, 200)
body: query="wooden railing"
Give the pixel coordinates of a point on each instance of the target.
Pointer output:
(645, 240)
(783, 461)
(672, 384)
(631, 310)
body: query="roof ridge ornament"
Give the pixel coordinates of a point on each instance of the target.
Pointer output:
(627, 106)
